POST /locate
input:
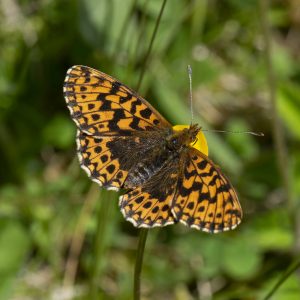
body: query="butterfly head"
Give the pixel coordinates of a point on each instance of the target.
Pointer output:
(191, 135)
(182, 137)
(192, 132)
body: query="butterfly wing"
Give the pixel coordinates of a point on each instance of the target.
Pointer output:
(191, 190)
(110, 118)
(108, 159)
(149, 205)
(100, 105)
(97, 159)
(205, 199)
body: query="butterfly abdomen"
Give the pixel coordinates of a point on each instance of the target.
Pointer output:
(147, 168)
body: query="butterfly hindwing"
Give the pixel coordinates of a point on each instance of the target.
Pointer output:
(205, 199)
(190, 190)
(110, 160)
(96, 158)
(150, 204)
(101, 105)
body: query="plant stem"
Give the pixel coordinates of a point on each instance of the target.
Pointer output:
(284, 277)
(103, 215)
(125, 27)
(138, 263)
(150, 45)
(144, 232)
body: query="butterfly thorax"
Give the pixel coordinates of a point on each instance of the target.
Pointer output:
(170, 145)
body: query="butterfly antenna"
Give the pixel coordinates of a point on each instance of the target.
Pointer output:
(191, 95)
(239, 132)
(213, 130)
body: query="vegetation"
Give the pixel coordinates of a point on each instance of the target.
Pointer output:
(61, 236)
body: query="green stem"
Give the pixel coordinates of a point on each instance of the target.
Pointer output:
(150, 45)
(138, 263)
(144, 232)
(103, 215)
(283, 278)
(137, 47)
(125, 27)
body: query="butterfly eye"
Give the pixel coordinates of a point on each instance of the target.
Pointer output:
(174, 143)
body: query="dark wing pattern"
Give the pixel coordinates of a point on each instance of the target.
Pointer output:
(109, 117)
(108, 159)
(99, 162)
(205, 199)
(101, 105)
(149, 205)
(190, 190)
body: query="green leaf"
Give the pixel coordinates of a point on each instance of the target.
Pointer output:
(60, 132)
(289, 107)
(241, 258)
(14, 244)
(272, 230)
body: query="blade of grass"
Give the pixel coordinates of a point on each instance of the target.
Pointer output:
(145, 62)
(122, 33)
(78, 236)
(103, 215)
(283, 278)
(139, 262)
(136, 48)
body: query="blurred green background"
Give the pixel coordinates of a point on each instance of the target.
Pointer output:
(63, 238)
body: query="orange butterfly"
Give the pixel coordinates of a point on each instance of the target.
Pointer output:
(123, 142)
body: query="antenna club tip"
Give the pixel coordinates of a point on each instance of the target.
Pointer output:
(189, 69)
(239, 132)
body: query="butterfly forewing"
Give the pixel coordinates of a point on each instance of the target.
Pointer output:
(100, 105)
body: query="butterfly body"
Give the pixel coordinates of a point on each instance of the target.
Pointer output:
(123, 142)
(163, 147)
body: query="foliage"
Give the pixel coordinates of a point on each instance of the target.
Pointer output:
(47, 205)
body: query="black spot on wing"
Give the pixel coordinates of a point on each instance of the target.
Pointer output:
(146, 113)
(134, 124)
(95, 117)
(155, 209)
(111, 169)
(91, 106)
(202, 164)
(190, 205)
(118, 115)
(98, 149)
(115, 87)
(106, 105)
(104, 158)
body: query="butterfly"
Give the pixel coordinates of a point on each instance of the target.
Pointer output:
(124, 143)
